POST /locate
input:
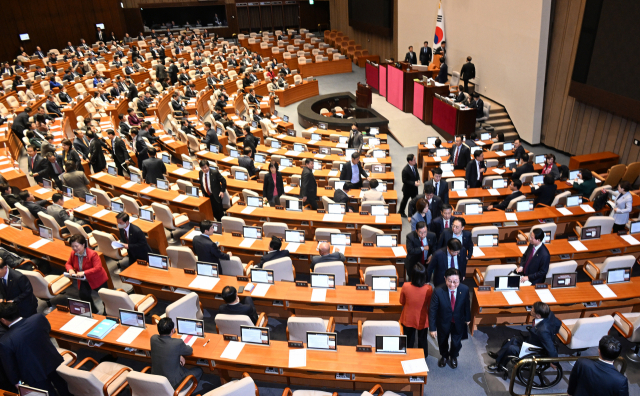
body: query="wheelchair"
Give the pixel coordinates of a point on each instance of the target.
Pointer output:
(545, 376)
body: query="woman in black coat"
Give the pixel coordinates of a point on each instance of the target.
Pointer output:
(546, 193)
(70, 154)
(273, 186)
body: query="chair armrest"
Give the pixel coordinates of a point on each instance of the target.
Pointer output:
(287, 392)
(377, 388)
(144, 370)
(262, 320)
(567, 332)
(25, 262)
(597, 176)
(245, 375)
(346, 275)
(359, 332)
(361, 277)
(184, 383)
(477, 275)
(85, 360)
(625, 334)
(50, 285)
(73, 355)
(293, 268)
(594, 315)
(155, 319)
(331, 326)
(155, 301)
(401, 328)
(526, 237)
(113, 378)
(247, 270)
(589, 265)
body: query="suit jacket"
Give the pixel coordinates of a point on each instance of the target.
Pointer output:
(58, 213)
(139, 249)
(335, 256)
(522, 169)
(51, 171)
(440, 263)
(411, 58)
(544, 194)
(443, 75)
(308, 185)
(347, 173)
(78, 181)
(442, 193)
(414, 249)
(268, 185)
(20, 124)
(468, 71)
(441, 315)
(19, 290)
(53, 108)
(119, 151)
(208, 251)
(519, 152)
(82, 147)
(251, 141)
(425, 55)
(464, 156)
(356, 140)
(435, 206)
(623, 207)
(505, 202)
(38, 165)
(543, 334)
(596, 378)
(479, 106)
(217, 184)
(409, 177)
(165, 358)
(538, 266)
(467, 242)
(26, 351)
(372, 195)
(45, 148)
(276, 254)
(243, 308)
(437, 226)
(153, 169)
(96, 156)
(92, 267)
(472, 174)
(586, 187)
(212, 138)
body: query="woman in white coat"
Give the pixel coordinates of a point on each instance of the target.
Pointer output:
(622, 208)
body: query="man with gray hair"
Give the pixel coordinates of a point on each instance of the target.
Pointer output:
(325, 255)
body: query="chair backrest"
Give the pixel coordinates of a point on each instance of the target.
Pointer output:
(271, 228)
(615, 174)
(114, 300)
(371, 328)
(80, 382)
(605, 223)
(369, 233)
(143, 384)
(243, 387)
(488, 180)
(324, 234)
(104, 239)
(513, 202)
(560, 199)
(230, 324)
(246, 192)
(528, 177)
(460, 206)
(475, 231)
(232, 267)
(378, 270)
(102, 197)
(551, 227)
(163, 213)
(6, 207)
(282, 269)
(491, 163)
(28, 219)
(39, 285)
(611, 263)
(130, 204)
(181, 257)
(298, 327)
(587, 332)
(366, 206)
(50, 222)
(562, 267)
(497, 270)
(284, 198)
(632, 173)
(326, 201)
(186, 307)
(597, 191)
(232, 224)
(332, 267)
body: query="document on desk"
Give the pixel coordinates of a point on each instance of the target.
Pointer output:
(248, 210)
(287, 189)
(272, 150)
(477, 252)
(415, 366)
(319, 295)
(630, 240)
(101, 213)
(437, 159)
(292, 153)
(545, 295)
(189, 339)
(320, 156)
(128, 336)
(605, 291)
(42, 190)
(523, 248)
(204, 282)
(498, 170)
(370, 161)
(512, 297)
(83, 207)
(382, 297)
(335, 218)
(99, 175)
(232, 351)
(493, 191)
(39, 244)
(448, 174)
(399, 251)
(181, 171)
(564, 211)
(381, 219)
(578, 246)
(180, 198)
(128, 184)
(292, 247)
(587, 208)
(261, 290)
(511, 216)
(227, 159)
(79, 325)
(333, 173)
(342, 145)
(148, 190)
(281, 136)
(462, 193)
(247, 242)
(297, 357)
(192, 235)
(501, 154)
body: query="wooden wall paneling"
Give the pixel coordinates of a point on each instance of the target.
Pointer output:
(267, 20)
(291, 15)
(243, 18)
(133, 21)
(278, 19)
(606, 130)
(567, 119)
(614, 133)
(254, 18)
(631, 151)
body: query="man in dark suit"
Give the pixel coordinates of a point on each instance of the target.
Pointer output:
(518, 149)
(139, 146)
(119, 152)
(173, 72)
(21, 122)
(211, 137)
(434, 202)
(206, 249)
(213, 186)
(449, 315)
(421, 244)
(514, 186)
(542, 334)
(246, 162)
(81, 144)
(52, 107)
(442, 222)
(233, 306)
(410, 57)
(27, 353)
(440, 187)
(467, 72)
(342, 196)
(460, 154)
(96, 156)
(55, 168)
(353, 171)
(324, 248)
(451, 256)
(425, 54)
(167, 355)
(477, 104)
(443, 74)
(546, 193)
(410, 182)
(462, 98)
(37, 165)
(15, 287)
(475, 170)
(534, 263)
(249, 140)
(599, 377)
(524, 166)
(133, 239)
(308, 185)
(274, 252)
(458, 232)
(356, 140)
(153, 168)
(29, 202)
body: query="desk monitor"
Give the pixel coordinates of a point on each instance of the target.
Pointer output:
(260, 158)
(166, 158)
(214, 148)
(348, 152)
(325, 150)
(379, 154)
(316, 137)
(538, 179)
(48, 184)
(285, 163)
(299, 147)
(374, 131)
(207, 269)
(293, 204)
(619, 275)
(275, 144)
(382, 186)
(386, 240)
(294, 236)
(219, 131)
(323, 125)
(146, 214)
(499, 183)
(547, 237)
(285, 118)
(473, 209)
(24, 37)
(342, 239)
(255, 335)
(131, 318)
(540, 159)
(459, 185)
(111, 169)
(379, 210)
(374, 142)
(79, 307)
(431, 140)
(24, 390)
(252, 232)
(391, 344)
(447, 166)
(254, 124)
(136, 177)
(256, 202)
(217, 227)
(67, 191)
(485, 136)
(317, 165)
(487, 240)
(343, 139)
(634, 227)
(100, 25)
(442, 152)
(241, 175)
(259, 275)
(573, 200)
(158, 261)
(573, 174)
(193, 192)
(339, 184)
(322, 341)
(15, 221)
(45, 233)
(323, 281)
(337, 208)
(592, 232)
(507, 283)
(509, 162)
(117, 207)
(234, 153)
(91, 199)
(507, 147)
(192, 327)
(188, 165)
(385, 283)
(559, 281)
(526, 205)
(378, 168)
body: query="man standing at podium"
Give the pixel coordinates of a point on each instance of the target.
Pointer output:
(411, 57)
(425, 54)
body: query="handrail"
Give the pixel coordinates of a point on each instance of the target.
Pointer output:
(537, 360)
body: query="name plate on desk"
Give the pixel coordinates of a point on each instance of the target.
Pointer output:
(364, 348)
(322, 211)
(484, 288)
(242, 203)
(296, 344)
(486, 187)
(236, 234)
(508, 211)
(302, 283)
(294, 185)
(542, 286)
(521, 242)
(189, 271)
(622, 232)
(279, 207)
(597, 282)
(366, 244)
(364, 189)
(362, 287)
(142, 262)
(457, 213)
(230, 337)
(559, 206)
(572, 238)
(363, 213)
(62, 308)
(242, 278)
(260, 181)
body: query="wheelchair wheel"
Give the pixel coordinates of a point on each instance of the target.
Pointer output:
(545, 377)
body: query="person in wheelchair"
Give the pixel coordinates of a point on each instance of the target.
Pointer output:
(545, 328)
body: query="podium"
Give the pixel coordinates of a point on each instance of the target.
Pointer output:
(399, 85)
(423, 96)
(363, 96)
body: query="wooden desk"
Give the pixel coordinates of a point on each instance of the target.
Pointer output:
(424, 149)
(506, 173)
(316, 69)
(450, 121)
(320, 370)
(486, 197)
(298, 92)
(596, 162)
(432, 162)
(423, 99)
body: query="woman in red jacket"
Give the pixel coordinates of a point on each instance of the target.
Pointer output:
(415, 298)
(86, 262)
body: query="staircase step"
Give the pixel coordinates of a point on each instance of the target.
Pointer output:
(505, 128)
(500, 122)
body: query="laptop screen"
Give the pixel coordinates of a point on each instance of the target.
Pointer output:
(431, 140)
(485, 136)
(136, 177)
(507, 283)
(391, 344)
(540, 159)
(336, 208)
(158, 261)
(573, 174)
(79, 307)
(131, 318)
(340, 239)
(379, 210)
(162, 184)
(24, 390)
(574, 200)
(252, 232)
(619, 275)
(386, 240)
(67, 191)
(499, 183)
(255, 335)
(166, 158)
(260, 158)
(261, 276)
(146, 214)
(117, 207)
(45, 233)
(635, 227)
(285, 162)
(590, 233)
(459, 185)
(388, 283)
(112, 170)
(192, 327)
(564, 280)
(446, 166)
(255, 202)
(322, 341)
(193, 192)
(473, 209)
(509, 162)
(323, 281)
(293, 204)
(538, 179)
(46, 183)
(207, 269)
(91, 199)
(214, 148)
(524, 205)
(234, 153)
(275, 144)
(294, 236)
(487, 240)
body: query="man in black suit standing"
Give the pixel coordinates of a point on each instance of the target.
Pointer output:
(274, 252)
(246, 162)
(467, 72)
(213, 186)
(460, 154)
(475, 170)
(139, 146)
(410, 57)
(449, 315)
(534, 263)
(445, 258)
(442, 222)
(458, 232)
(153, 168)
(21, 122)
(96, 156)
(55, 168)
(15, 287)
(133, 239)
(206, 249)
(353, 171)
(421, 244)
(599, 377)
(410, 182)
(211, 137)
(173, 72)
(119, 152)
(308, 185)
(524, 166)
(425, 54)
(443, 74)
(514, 186)
(27, 353)
(37, 166)
(440, 187)
(233, 306)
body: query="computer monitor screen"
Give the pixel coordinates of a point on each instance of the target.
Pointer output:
(487, 240)
(45, 233)
(573, 174)
(162, 184)
(316, 137)
(547, 237)
(234, 153)
(117, 207)
(339, 184)
(112, 170)
(67, 191)
(373, 131)
(100, 25)
(473, 209)
(564, 280)
(540, 159)
(336, 208)
(619, 275)
(285, 162)
(323, 281)
(343, 139)
(146, 214)
(46, 183)
(255, 335)
(15, 221)
(193, 192)
(294, 236)
(499, 183)
(136, 177)
(341, 239)
(323, 126)
(317, 165)
(391, 344)
(275, 144)
(166, 158)
(131, 318)
(24, 36)
(442, 152)
(510, 162)
(254, 124)
(524, 205)
(325, 150)
(446, 166)
(322, 341)
(485, 136)
(207, 269)
(538, 179)
(214, 148)
(219, 131)
(24, 390)
(431, 140)
(298, 147)
(255, 202)
(158, 261)
(188, 165)
(574, 200)
(374, 142)
(507, 283)
(91, 199)
(634, 227)
(379, 210)
(378, 168)
(285, 118)
(592, 232)
(241, 175)
(459, 185)
(79, 307)
(507, 146)
(262, 276)
(260, 158)
(192, 327)
(252, 232)
(388, 283)
(348, 152)
(386, 240)
(293, 204)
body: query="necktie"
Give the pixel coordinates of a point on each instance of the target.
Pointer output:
(455, 159)
(446, 224)
(32, 161)
(437, 185)
(423, 252)
(528, 260)
(206, 184)
(58, 170)
(453, 302)
(452, 265)
(126, 235)
(4, 282)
